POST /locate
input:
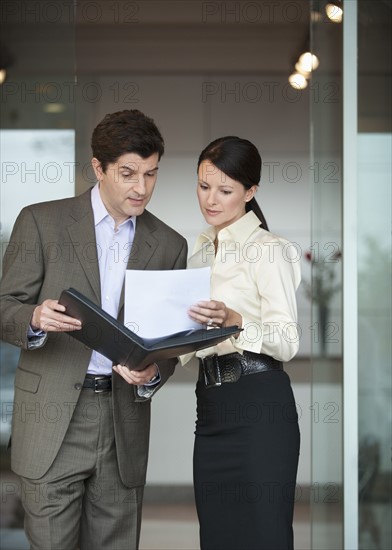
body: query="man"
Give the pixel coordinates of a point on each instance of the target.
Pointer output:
(80, 433)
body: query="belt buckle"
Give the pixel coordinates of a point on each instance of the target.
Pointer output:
(211, 371)
(96, 389)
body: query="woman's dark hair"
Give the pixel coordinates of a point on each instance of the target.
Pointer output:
(240, 160)
(128, 131)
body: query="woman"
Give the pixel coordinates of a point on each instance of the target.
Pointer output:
(247, 437)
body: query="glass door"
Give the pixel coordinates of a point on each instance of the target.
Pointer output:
(326, 496)
(351, 217)
(37, 149)
(374, 245)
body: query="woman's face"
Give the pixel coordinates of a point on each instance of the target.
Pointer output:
(222, 200)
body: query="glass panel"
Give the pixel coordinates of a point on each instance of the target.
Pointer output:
(37, 150)
(325, 260)
(374, 274)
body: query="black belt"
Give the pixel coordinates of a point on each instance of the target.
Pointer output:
(214, 370)
(98, 383)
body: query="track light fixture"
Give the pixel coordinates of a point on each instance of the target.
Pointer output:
(298, 81)
(334, 11)
(307, 62)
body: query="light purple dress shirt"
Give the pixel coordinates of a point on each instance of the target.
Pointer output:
(113, 248)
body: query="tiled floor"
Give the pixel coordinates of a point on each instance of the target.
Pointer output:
(175, 527)
(168, 527)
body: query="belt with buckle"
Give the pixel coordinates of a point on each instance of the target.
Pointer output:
(215, 370)
(98, 383)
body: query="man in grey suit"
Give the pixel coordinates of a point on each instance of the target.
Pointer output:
(80, 431)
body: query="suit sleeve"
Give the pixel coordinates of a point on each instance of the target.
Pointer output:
(23, 273)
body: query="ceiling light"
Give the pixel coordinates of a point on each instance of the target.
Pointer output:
(298, 81)
(54, 108)
(3, 75)
(307, 63)
(334, 11)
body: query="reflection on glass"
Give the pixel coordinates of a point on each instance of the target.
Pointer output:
(38, 47)
(324, 288)
(374, 143)
(37, 165)
(374, 337)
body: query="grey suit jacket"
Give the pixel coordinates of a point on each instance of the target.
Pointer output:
(53, 247)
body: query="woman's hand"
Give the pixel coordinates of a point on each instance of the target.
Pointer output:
(214, 314)
(137, 377)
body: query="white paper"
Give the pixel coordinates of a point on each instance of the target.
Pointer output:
(157, 302)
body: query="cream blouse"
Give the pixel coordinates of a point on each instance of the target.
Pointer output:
(256, 274)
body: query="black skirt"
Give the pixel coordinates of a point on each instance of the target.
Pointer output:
(245, 463)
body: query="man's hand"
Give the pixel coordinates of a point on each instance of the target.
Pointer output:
(137, 377)
(50, 317)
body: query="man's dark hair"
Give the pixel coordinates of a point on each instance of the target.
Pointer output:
(128, 131)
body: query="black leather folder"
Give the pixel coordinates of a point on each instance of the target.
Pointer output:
(105, 334)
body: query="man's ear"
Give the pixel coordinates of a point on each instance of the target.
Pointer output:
(97, 168)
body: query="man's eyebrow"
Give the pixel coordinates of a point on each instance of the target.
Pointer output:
(132, 169)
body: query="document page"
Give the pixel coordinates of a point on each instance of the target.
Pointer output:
(156, 302)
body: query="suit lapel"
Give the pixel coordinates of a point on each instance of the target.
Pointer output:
(82, 233)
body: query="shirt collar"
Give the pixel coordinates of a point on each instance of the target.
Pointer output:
(238, 231)
(99, 209)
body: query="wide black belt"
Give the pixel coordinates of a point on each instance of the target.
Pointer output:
(98, 383)
(215, 370)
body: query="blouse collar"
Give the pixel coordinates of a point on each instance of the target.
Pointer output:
(238, 231)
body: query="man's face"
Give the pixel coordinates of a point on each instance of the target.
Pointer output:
(126, 187)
